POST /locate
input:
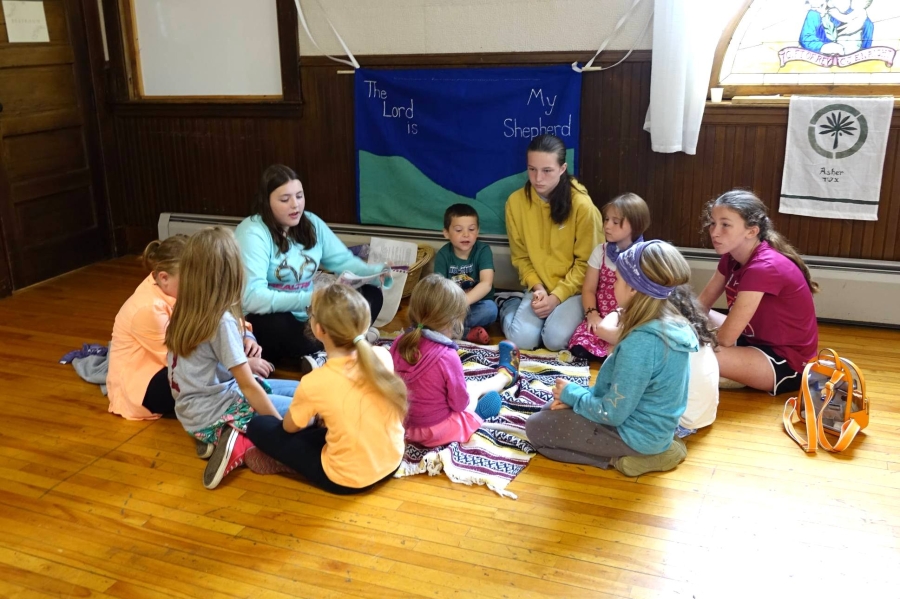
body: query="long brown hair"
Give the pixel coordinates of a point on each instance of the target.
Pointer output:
(211, 282)
(561, 197)
(304, 233)
(438, 304)
(754, 214)
(684, 300)
(664, 265)
(344, 314)
(165, 255)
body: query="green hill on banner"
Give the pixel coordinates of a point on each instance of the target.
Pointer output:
(385, 183)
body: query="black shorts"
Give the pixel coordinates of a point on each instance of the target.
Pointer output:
(786, 379)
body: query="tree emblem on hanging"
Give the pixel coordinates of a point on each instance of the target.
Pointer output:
(837, 131)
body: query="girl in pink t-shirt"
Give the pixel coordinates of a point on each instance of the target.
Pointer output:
(770, 330)
(443, 407)
(625, 219)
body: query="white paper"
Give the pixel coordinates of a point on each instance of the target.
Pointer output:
(390, 251)
(357, 281)
(25, 21)
(397, 253)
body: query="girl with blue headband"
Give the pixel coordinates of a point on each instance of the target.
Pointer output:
(628, 419)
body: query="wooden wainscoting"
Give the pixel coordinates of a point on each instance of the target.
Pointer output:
(92, 505)
(210, 164)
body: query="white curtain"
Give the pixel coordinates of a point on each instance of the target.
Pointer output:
(685, 35)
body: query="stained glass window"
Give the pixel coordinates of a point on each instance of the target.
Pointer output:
(814, 42)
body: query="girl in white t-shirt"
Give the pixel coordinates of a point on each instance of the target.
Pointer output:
(703, 389)
(625, 219)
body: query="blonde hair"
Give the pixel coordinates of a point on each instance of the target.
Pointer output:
(344, 314)
(664, 265)
(165, 255)
(437, 304)
(211, 283)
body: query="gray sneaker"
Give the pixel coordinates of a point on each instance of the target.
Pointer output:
(204, 449)
(636, 465)
(501, 297)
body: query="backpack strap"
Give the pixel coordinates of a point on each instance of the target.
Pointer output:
(848, 432)
(851, 427)
(791, 415)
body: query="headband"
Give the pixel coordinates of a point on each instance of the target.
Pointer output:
(358, 338)
(628, 265)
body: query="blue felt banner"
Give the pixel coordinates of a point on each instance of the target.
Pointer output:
(429, 138)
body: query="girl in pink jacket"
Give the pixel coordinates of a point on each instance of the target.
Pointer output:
(442, 407)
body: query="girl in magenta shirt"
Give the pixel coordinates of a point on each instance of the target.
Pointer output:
(442, 407)
(770, 330)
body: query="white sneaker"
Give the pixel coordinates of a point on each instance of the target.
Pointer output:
(311, 362)
(729, 384)
(372, 335)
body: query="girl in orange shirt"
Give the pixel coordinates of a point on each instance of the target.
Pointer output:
(355, 402)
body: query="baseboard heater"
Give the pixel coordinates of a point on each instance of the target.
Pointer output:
(853, 291)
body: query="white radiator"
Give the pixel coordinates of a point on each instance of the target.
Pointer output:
(856, 291)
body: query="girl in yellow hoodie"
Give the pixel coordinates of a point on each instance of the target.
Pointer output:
(553, 226)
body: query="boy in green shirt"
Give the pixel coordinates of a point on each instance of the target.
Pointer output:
(470, 263)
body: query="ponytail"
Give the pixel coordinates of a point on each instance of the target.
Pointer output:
(343, 313)
(165, 255)
(781, 245)
(409, 345)
(374, 371)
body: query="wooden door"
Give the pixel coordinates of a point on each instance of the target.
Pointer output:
(51, 209)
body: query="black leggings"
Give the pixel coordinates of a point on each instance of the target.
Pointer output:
(158, 397)
(284, 337)
(302, 451)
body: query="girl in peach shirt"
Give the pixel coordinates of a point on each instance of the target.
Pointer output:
(136, 381)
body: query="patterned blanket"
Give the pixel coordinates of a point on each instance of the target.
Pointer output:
(499, 450)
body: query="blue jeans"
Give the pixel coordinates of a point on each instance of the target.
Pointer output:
(481, 314)
(282, 394)
(527, 330)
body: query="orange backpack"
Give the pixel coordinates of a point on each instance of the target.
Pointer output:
(832, 400)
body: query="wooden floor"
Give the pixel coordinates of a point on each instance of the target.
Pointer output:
(95, 506)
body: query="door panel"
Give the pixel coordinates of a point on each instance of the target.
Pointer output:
(29, 90)
(45, 153)
(68, 210)
(49, 209)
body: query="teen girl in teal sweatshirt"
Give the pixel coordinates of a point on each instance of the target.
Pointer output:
(628, 419)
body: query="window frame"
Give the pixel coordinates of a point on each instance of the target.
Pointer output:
(125, 72)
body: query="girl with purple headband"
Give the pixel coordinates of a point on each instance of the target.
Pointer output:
(628, 419)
